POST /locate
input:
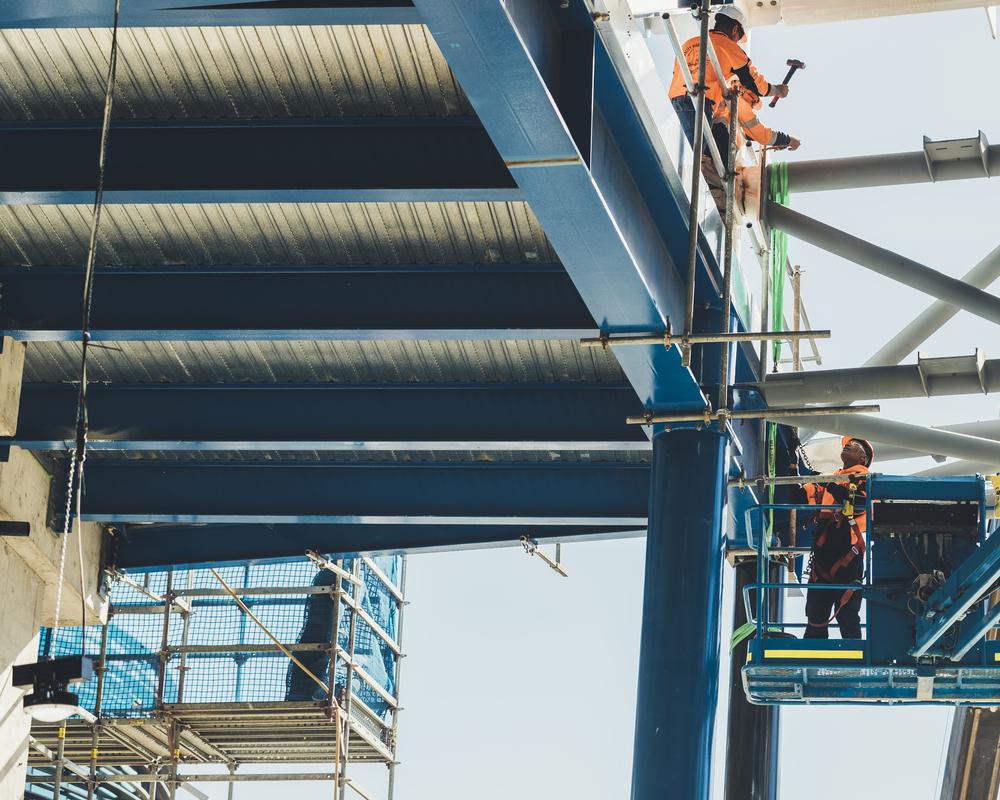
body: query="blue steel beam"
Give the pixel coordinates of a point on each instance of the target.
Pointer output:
(204, 13)
(682, 600)
(528, 67)
(369, 302)
(330, 160)
(428, 493)
(139, 546)
(193, 417)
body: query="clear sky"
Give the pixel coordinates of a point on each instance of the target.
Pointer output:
(519, 683)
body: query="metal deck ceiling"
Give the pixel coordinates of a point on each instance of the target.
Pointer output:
(298, 201)
(229, 72)
(410, 361)
(282, 234)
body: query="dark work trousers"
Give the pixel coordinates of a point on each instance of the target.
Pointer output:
(685, 109)
(822, 603)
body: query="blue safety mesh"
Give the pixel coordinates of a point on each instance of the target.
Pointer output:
(202, 674)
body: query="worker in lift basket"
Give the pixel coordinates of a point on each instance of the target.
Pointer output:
(838, 552)
(727, 35)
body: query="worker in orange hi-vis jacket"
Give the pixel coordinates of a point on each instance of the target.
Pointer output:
(838, 552)
(727, 35)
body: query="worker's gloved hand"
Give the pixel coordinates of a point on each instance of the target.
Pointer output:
(779, 90)
(793, 143)
(838, 490)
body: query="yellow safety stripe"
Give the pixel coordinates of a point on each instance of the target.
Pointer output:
(827, 654)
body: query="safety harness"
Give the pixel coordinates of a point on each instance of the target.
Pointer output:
(818, 573)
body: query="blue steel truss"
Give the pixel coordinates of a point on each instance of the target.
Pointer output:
(556, 127)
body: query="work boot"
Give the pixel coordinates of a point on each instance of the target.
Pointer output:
(719, 196)
(712, 178)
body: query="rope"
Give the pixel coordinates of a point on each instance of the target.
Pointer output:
(74, 479)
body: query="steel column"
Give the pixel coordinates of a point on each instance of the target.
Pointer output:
(679, 649)
(884, 262)
(752, 758)
(934, 317)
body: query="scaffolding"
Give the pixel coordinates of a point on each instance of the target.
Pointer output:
(303, 668)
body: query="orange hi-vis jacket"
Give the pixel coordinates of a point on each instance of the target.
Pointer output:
(818, 495)
(734, 61)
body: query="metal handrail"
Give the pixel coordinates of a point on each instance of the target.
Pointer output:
(763, 556)
(861, 588)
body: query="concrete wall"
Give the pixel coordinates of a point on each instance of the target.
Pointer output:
(28, 581)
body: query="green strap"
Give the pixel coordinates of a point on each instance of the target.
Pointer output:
(776, 301)
(779, 255)
(741, 634)
(745, 631)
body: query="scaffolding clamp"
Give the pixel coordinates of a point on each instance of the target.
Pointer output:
(532, 549)
(323, 562)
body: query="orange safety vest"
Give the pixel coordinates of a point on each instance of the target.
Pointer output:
(731, 58)
(818, 495)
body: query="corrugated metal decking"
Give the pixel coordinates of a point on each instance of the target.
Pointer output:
(239, 72)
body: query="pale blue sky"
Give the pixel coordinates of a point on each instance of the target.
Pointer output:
(519, 683)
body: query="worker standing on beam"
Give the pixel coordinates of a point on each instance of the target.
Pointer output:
(727, 35)
(838, 551)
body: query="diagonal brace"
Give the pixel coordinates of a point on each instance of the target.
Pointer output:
(884, 262)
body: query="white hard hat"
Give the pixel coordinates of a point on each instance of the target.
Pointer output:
(733, 12)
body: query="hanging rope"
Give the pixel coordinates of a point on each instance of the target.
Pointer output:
(74, 480)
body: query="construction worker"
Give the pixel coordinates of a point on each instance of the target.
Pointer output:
(727, 35)
(838, 552)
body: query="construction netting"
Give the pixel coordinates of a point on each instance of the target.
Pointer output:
(206, 649)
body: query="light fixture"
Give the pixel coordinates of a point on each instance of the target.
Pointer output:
(51, 701)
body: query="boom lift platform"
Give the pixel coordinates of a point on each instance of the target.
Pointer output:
(932, 564)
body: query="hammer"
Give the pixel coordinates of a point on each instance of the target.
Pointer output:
(795, 64)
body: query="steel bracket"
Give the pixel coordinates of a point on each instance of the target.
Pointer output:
(930, 369)
(976, 147)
